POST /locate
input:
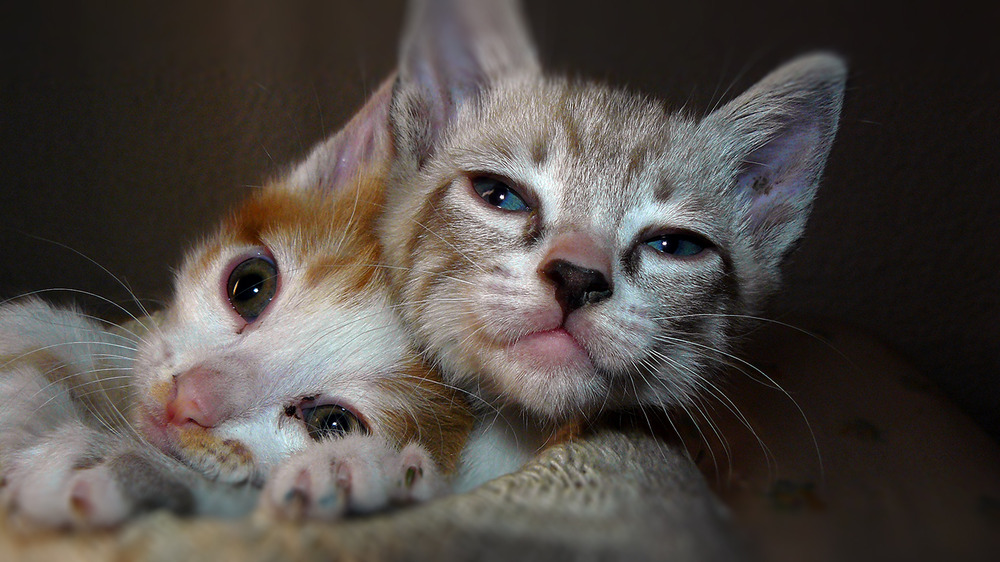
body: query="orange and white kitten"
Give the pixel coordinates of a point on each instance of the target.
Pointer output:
(279, 363)
(564, 248)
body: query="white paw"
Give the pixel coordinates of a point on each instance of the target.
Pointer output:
(418, 478)
(353, 474)
(60, 483)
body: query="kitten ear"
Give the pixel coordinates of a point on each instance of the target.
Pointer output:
(779, 133)
(451, 51)
(364, 143)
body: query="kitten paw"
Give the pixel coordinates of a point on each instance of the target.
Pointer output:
(354, 474)
(59, 483)
(418, 478)
(78, 478)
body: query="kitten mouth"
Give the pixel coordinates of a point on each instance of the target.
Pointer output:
(556, 347)
(154, 430)
(227, 460)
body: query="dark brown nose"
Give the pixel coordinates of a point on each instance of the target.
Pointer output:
(576, 286)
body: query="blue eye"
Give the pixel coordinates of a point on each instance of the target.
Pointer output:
(678, 245)
(499, 194)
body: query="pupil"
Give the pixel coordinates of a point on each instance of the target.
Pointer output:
(247, 287)
(496, 196)
(334, 423)
(331, 421)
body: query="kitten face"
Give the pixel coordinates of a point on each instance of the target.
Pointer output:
(597, 197)
(280, 363)
(568, 248)
(237, 378)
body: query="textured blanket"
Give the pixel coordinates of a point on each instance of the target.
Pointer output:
(904, 475)
(613, 495)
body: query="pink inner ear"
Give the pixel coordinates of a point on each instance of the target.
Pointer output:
(361, 145)
(780, 172)
(355, 150)
(363, 141)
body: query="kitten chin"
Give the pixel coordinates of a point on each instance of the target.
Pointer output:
(548, 373)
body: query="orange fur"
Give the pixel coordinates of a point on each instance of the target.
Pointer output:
(334, 233)
(196, 442)
(439, 417)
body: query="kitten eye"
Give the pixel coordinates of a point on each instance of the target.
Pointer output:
(331, 420)
(251, 286)
(499, 194)
(678, 245)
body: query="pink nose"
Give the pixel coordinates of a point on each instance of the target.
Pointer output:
(197, 399)
(581, 249)
(579, 268)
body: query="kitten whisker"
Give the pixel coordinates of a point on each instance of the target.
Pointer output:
(475, 398)
(62, 345)
(117, 279)
(75, 385)
(676, 401)
(381, 266)
(689, 396)
(443, 275)
(761, 319)
(709, 388)
(82, 292)
(458, 251)
(771, 383)
(350, 221)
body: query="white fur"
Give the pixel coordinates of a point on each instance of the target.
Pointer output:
(303, 345)
(498, 445)
(356, 474)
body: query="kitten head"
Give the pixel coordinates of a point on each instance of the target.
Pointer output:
(280, 331)
(567, 247)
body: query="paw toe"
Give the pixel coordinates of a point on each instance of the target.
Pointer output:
(419, 479)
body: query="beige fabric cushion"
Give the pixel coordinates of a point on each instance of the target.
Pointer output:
(905, 475)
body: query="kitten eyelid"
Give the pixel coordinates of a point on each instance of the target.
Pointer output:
(523, 191)
(651, 235)
(319, 401)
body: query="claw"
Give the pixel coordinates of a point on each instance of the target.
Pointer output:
(80, 505)
(296, 500)
(329, 501)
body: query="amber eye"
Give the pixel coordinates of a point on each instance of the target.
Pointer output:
(331, 421)
(251, 287)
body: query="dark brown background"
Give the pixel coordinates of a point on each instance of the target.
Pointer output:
(126, 130)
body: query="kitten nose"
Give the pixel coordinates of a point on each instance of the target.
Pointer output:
(576, 286)
(197, 399)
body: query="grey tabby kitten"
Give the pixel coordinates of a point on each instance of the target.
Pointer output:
(564, 248)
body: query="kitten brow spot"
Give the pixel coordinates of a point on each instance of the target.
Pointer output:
(88, 462)
(539, 151)
(570, 126)
(636, 162)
